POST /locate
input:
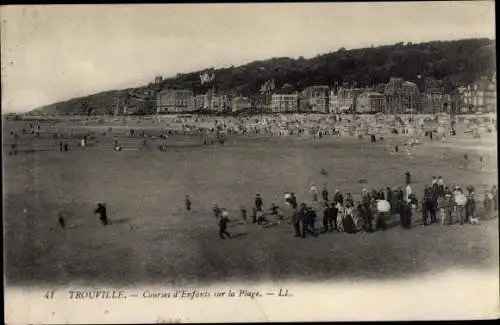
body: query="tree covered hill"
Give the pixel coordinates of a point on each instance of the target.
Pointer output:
(453, 62)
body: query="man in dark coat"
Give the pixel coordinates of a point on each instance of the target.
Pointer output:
(223, 221)
(366, 198)
(388, 195)
(406, 214)
(293, 200)
(311, 214)
(101, 209)
(324, 194)
(258, 202)
(304, 219)
(326, 217)
(188, 203)
(217, 211)
(365, 215)
(427, 206)
(338, 198)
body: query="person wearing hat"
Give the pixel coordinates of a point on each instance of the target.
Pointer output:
(101, 209)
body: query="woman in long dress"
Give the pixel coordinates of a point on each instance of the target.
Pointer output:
(348, 219)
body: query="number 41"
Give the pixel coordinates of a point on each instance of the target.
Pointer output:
(49, 294)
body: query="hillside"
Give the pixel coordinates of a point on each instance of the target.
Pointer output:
(452, 62)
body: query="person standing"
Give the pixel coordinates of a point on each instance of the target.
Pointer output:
(101, 209)
(61, 220)
(324, 194)
(407, 178)
(296, 219)
(188, 203)
(365, 198)
(326, 217)
(494, 194)
(440, 183)
(304, 219)
(470, 206)
(243, 213)
(448, 205)
(460, 206)
(466, 160)
(482, 163)
(406, 212)
(314, 193)
(258, 203)
(349, 200)
(380, 222)
(488, 204)
(293, 200)
(223, 221)
(217, 211)
(311, 214)
(338, 198)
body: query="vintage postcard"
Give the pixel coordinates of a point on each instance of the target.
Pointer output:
(259, 162)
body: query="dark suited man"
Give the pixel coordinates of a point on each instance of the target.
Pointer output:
(428, 207)
(324, 194)
(304, 219)
(258, 202)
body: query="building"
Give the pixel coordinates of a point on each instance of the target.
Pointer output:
(282, 103)
(174, 101)
(201, 102)
(401, 96)
(261, 103)
(220, 103)
(434, 99)
(240, 104)
(481, 95)
(346, 98)
(333, 102)
(314, 99)
(370, 102)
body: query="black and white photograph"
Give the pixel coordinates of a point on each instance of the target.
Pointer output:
(250, 162)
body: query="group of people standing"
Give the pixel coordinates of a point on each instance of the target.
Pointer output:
(440, 203)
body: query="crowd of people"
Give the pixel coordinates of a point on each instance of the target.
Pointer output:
(439, 203)
(442, 204)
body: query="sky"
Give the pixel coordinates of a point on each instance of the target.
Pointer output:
(54, 53)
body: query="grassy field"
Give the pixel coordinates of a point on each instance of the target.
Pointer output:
(152, 239)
